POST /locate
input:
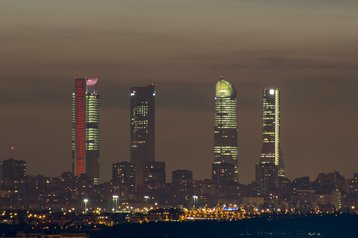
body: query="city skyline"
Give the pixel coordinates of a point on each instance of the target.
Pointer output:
(307, 49)
(139, 99)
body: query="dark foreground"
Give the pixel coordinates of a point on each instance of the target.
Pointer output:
(340, 226)
(281, 226)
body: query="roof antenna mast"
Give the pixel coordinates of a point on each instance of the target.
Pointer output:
(12, 152)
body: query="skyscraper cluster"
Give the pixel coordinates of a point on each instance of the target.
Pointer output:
(225, 169)
(142, 168)
(144, 171)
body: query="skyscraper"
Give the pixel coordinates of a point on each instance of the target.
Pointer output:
(85, 128)
(225, 129)
(142, 128)
(271, 149)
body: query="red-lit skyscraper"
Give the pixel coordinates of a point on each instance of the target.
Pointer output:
(85, 128)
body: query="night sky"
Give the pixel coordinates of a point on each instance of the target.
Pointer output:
(307, 48)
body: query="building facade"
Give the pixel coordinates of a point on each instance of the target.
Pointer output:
(271, 140)
(225, 128)
(266, 178)
(13, 173)
(154, 176)
(182, 182)
(142, 128)
(86, 128)
(154, 184)
(123, 177)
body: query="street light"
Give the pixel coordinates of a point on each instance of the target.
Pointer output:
(85, 201)
(115, 203)
(146, 199)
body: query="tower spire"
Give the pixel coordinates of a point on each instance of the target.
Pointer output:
(12, 152)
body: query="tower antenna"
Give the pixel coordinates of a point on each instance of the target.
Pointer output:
(12, 152)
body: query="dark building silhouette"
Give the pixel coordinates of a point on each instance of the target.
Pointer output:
(205, 190)
(85, 128)
(327, 183)
(123, 177)
(1, 176)
(266, 178)
(37, 184)
(13, 169)
(154, 176)
(182, 182)
(153, 188)
(353, 184)
(271, 148)
(142, 128)
(13, 173)
(223, 173)
(225, 127)
(302, 183)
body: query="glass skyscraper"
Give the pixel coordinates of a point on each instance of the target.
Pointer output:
(142, 128)
(225, 130)
(85, 128)
(271, 149)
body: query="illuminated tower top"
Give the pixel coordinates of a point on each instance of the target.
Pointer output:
(91, 86)
(224, 89)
